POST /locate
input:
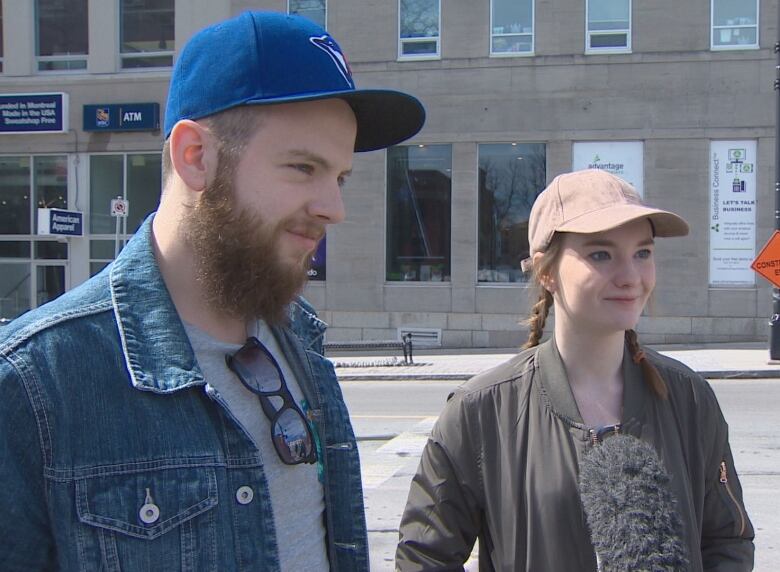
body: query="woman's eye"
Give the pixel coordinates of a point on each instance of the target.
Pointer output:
(599, 256)
(644, 253)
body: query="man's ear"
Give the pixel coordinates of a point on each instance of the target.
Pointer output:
(193, 153)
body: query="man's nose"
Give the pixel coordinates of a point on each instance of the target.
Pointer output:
(328, 205)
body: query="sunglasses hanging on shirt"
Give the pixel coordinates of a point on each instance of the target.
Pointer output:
(259, 372)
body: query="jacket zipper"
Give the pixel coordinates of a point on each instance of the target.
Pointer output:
(724, 480)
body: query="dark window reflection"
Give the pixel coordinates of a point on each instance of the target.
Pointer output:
(50, 281)
(510, 178)
(15, 249)
(51, 250)
(15, 195)
(146, 26)
(419, 213)
(62, 27)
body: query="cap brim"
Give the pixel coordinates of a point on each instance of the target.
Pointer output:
(384, 117)
(664, 222)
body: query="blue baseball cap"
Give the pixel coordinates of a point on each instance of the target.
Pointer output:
(263, 58)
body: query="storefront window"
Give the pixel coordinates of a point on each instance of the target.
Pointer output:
(147, 33)
(419, 213)
(135, 177)
(14, 289)
(106, 182)
(511, 175)
(62, 34)
(31, 271)
(50, 184)
(314, 10)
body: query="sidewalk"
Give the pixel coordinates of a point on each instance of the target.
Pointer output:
(734, 361)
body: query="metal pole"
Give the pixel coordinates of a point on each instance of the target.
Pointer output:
(774, 323)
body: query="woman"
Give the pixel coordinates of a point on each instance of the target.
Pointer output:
(503, 460)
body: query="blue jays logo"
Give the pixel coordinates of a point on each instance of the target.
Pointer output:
(330, 47)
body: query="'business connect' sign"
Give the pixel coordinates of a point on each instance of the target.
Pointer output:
(33, 113)
(122, 117)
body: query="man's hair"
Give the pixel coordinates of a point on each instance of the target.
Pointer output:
(232, 128)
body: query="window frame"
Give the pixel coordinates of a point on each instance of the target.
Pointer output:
(493, 35)
(325, 4)
(125, 56)
(589, 50)
(72, 58)
(403, 41)
(713, 28)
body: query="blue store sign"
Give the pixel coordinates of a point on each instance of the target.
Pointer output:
(122, 117)
(34, 113)
(60, 222)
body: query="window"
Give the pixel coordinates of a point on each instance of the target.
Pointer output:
(1, 36)
(61, 35)
(146, 33)
(314, 10)
(419, 213)
(734, 24)
(419, 23)
(135, 177)
(608, 26)
(512, 27)
(511, 175)
(32, 271)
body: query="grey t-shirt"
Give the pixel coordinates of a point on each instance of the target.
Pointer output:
(296, 492)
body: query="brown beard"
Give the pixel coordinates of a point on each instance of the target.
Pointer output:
(236, 255)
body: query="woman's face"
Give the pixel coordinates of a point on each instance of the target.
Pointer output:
(603, 280)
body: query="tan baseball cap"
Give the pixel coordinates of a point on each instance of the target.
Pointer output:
(591, 201)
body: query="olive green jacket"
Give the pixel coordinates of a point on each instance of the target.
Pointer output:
(502, 465)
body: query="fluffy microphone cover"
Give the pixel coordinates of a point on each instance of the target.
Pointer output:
(630, 509)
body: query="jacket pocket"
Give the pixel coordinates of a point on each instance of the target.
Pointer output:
(150, 520)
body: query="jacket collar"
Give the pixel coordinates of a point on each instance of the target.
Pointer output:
(155, 345)
(156, 348)
(555, 382)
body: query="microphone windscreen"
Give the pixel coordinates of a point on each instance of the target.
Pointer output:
(629, 507)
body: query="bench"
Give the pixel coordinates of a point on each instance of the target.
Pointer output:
(405, 346)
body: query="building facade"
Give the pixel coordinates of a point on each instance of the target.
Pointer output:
(676, 98)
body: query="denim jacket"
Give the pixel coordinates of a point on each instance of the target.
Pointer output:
(105, 412)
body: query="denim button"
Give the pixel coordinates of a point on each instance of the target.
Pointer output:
(149, 513)
(244, 495)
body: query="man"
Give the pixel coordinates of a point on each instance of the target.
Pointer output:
(175, 412)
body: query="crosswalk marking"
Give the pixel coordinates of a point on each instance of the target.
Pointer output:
(386, 461)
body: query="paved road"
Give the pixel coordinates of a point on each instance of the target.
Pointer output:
(392, 420)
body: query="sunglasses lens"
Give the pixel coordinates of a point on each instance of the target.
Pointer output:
(257, 370)
(292, 437)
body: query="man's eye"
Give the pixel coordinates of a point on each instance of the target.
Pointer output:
(303, 168)
(599, 256)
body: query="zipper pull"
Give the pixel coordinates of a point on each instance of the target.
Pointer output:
(724, 477)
